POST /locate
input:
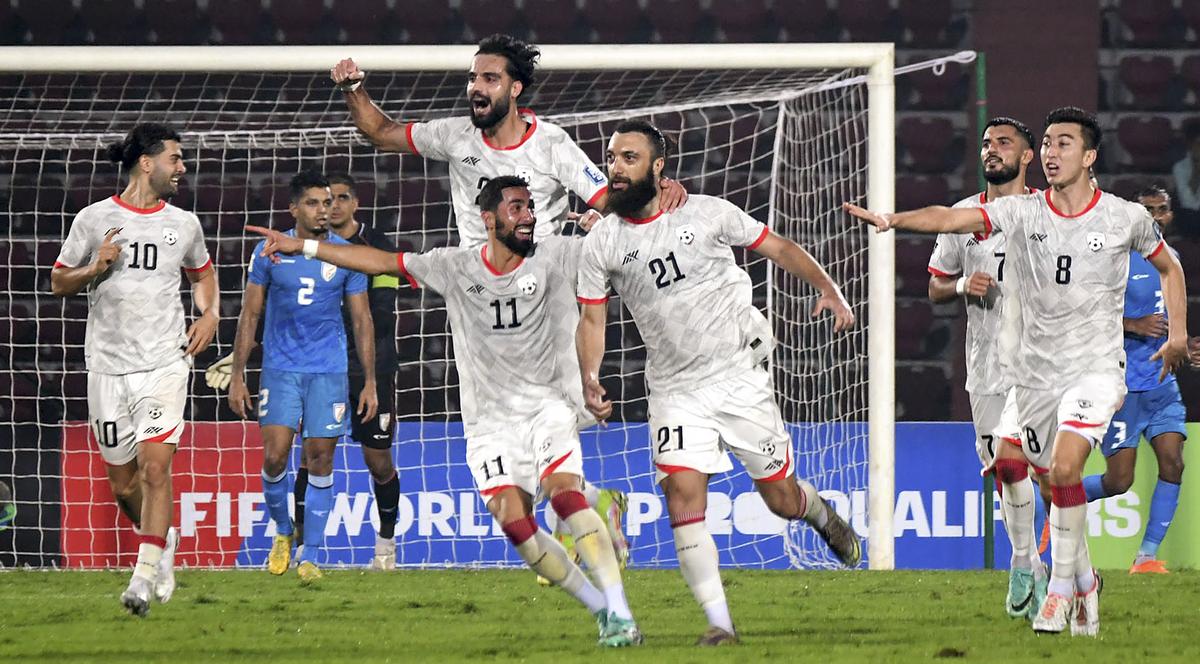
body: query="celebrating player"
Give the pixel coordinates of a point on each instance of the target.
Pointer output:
(1069, 249)
(1152, 408)
(512, 314)
(304, 370)
(127, 251)
(973, 268)
(705, 343)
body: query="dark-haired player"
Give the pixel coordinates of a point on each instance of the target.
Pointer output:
(972, 268)
(511, 304)
(705, 346)
(304, 386)
(1069, 249)
(128, 251)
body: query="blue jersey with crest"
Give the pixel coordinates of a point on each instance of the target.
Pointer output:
(303, 331)
(1143, 297)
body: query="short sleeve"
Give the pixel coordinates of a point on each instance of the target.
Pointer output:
(947, 257)
(430, 139)
(738, 229)
(356, 283)
(592, 277)
(78, 246)
(259, 271)
(1146, 238)
(1004, 215)
(426, 270)
(196, 258)
(577, 173)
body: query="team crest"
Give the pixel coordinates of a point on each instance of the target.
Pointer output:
(156, 412)
(686, 234)
(327, 271)
(1084, 403)
(1095, 241)
(528, 284)
(384, 420)
(339, 411)
(170, 235)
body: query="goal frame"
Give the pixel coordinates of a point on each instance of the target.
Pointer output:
(877, 58)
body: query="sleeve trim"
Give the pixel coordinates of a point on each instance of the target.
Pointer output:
(58, 264)
(938, 273)
(1157, 249)
(596, 196)
(761, 237)
(987, 227)
(408, 131)
(207, 264)
(591, 300)
(404, 271)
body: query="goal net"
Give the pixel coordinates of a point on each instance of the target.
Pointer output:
(786, 145)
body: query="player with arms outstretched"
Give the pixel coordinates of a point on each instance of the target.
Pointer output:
(128, 251)
(512, 313)
(304, 379)
(705, 344)
(972, 268)
(1069, 249)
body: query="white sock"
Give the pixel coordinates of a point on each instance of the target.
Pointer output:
(591, 492)
(1018, 509)
(1084, 575)
(595, 548)
(814, 507)
(1066, 537)
(149, 555)
(698, 561)
(547, 557)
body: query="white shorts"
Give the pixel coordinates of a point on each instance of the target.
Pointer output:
(985, 415)
(1085, 406)
(522, 453)
(696, 430)
(146, 406)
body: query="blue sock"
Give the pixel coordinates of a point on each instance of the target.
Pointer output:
(1093, 486)
(1162, 511)
(275, 490)
(318, 501)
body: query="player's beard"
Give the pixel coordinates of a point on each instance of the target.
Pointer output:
(515, 244)
(499, 110)
(161, 185)
(629, 201)
(1003, 175)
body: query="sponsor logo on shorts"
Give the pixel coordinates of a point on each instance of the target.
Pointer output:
(1078, 417)
(774, 465)
(150, 431)
(339, 411)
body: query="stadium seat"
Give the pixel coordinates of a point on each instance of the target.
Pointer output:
(115, 22)
(927, 23)
(425, 21)
(912, 259)
(300, 20)
(1189, 12)
(237, 22)
(746, 21)
(47, 20)
(487, 17)
(614, 21)
(675, 21)
(914, 321)
(1148, 80)
(925, 90)
(1146, 24)
(916, 191)
(176, 22)
(1189, 73)
(1147, 141)
(865, 20)
(361, 20)
(929, 143)
(807, 21)
(922, 393)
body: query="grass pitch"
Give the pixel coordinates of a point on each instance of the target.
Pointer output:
(446, 616)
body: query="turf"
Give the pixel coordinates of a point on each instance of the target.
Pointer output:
(444, 615)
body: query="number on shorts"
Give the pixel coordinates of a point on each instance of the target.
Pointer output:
(263, 396)
(1119, 429)
(487, 470)
(664, 439)
(106, 433)
(1032, 441)
(307, 286)
(990, 443)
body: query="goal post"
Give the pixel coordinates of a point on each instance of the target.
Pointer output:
(708, 78)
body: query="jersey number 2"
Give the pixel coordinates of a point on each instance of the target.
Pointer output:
(307, 286)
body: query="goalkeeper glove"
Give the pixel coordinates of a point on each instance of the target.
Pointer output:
(220, 373)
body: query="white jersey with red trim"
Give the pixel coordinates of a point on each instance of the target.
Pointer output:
(135, 313)
(677, 275)
(513, 333)
(955, 255)
(547, 158)
(1072, 273)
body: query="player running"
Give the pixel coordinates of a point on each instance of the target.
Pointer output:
(512, 314)
(1152, 408)
(972, 268)
(303, 370)
(705, 345)
(1069, 249)
(128, 251)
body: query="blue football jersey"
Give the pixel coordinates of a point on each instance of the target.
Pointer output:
(303, 331)
(1143, 297)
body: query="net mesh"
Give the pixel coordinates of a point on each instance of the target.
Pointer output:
(786, 146)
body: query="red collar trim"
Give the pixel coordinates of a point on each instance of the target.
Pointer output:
(643, 221)
(523, 112)
(983, 194)
(1090, 205)
(150, 210)
(491, 268)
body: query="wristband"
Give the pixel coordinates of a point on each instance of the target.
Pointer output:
(350, 87)
(960, 286)
(310, 248)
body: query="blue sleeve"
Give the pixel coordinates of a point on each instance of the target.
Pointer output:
(356, 282)
(260, 267)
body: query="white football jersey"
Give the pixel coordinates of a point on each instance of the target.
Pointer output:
(955, 254)
(513, 333)
(676, 274)
(547, 158)
(1072, 272)
(135, 313)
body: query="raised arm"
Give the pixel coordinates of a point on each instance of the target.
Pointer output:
(1174, 352)
(243, 342)
(359, 258)
(206, 297)
(589, 344)
(383, 132)
(364, 346)
(932, 219)
(798, 262)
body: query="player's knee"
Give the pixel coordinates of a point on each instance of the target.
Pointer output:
(381, 470)
(1064, 472)
(1170, 469)
(1118, 483)
(124, 489)
(274, 462)
(155, 472)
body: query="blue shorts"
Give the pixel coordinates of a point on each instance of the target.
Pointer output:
(1150, 414)
(288, 398)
